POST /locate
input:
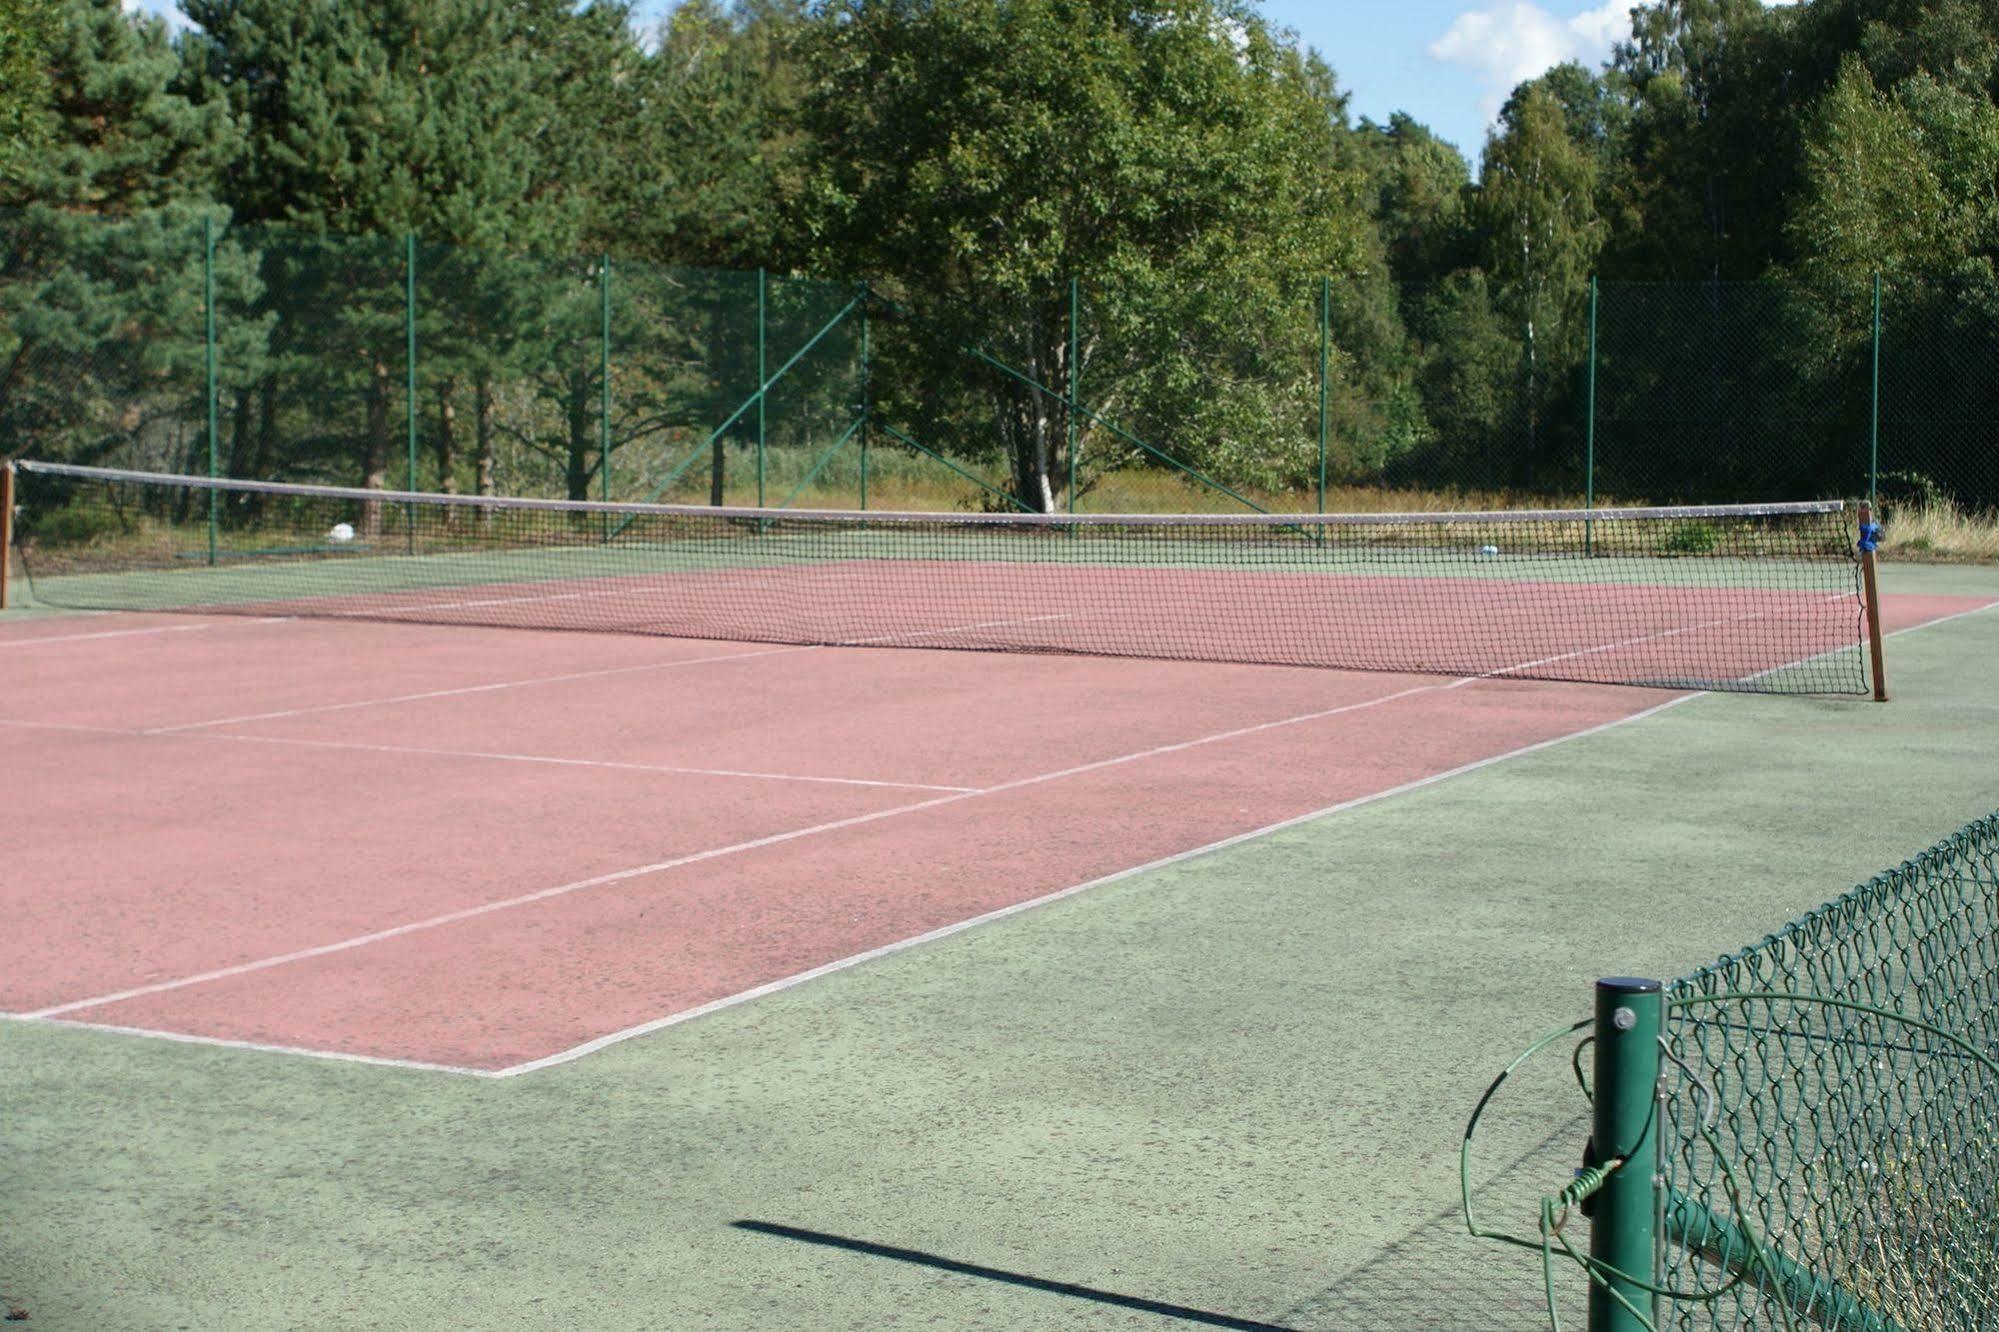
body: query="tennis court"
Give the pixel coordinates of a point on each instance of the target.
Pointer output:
(287, 831)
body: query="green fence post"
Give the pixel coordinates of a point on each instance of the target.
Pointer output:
(208, 357)
(1075, 380)
(604, 374)
(1624, 1127)
(1325, 353)
(1589, 429)
(1874, 403)
(761, 386)
(409, 383)
(867, 392)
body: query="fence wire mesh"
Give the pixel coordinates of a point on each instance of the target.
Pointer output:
(382, 361)
(1857, 1146)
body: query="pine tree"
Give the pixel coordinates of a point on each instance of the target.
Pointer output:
(101, 323)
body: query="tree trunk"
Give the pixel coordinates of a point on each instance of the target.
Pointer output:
(718, 452)
(581, 441)
(375, 448)
(447, 446)
(265, 464)
(482, 431)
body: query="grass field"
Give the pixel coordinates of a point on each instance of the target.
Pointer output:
(1223, 1093)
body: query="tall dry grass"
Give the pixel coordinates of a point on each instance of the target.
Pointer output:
(1940, 531)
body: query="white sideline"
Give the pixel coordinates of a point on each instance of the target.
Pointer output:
(52, 1014)
(842, 964)
(712, 853)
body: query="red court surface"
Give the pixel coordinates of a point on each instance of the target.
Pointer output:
(487, 850)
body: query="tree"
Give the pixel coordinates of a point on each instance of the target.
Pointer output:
(981, 154)
(1420, 187)
(1900, 181)
(710, 148)
(101, 277)
(1537, 207)
(27, 32)
(1710, 142)
(384, 119)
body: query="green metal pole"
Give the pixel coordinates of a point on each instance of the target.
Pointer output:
(761, 318)
(604, 376)
(1874, 399)
(208, 356)
(1075, 382)
(409, 381)
(1624, 1128)
(867, 393)
(1325, 354)
(1589, 429)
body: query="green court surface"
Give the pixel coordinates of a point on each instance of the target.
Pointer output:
(1225, 1093)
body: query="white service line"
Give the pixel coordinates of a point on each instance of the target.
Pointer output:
(474, 689)
(109, 633)
(1665, 633)
(480, 754)
(784, 983)
(712, 853)
(565, 762)
(1001, 913)
(774, 651)
(647, 1028)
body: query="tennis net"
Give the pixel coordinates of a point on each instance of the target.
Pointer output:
(1732, 597)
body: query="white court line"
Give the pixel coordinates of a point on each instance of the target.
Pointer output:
(842, 964)
(1001, 913)
(479, 754)
(109, 633)
(712, 853)
(189, 1038)
(776, 651)
(474, 689)
(569, 762)
(1670, 633)
(784, 983)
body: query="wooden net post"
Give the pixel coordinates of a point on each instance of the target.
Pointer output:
(1870, 536)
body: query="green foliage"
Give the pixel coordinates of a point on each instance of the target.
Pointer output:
(1419, 187)
(1188, 165)
(27, 32)
(709, 150)
(1690, 538)
(1182, 155)
(100, 254)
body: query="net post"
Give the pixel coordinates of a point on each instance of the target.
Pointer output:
(1325, 353)
(1874, 403)
(867, 389)
(409, 385)
(208, 376)
(762, 384)
(1624, 1128)
(1075, 376)
(1870, 536)
(6, 528)
(1589, 429)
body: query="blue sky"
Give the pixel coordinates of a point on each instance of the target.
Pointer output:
(1449, 63)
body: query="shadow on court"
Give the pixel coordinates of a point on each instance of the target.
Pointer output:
(1138, 1303)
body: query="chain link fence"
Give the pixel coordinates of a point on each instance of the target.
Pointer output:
(175, 342)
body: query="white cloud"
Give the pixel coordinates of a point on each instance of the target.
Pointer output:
(160, 9)
(1515, 40)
